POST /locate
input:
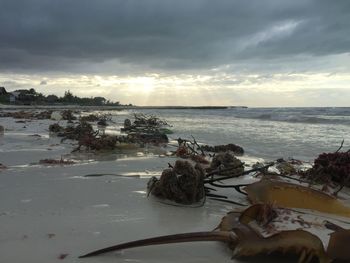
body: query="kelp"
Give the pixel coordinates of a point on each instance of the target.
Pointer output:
(236, 232)
(338, 247)
(296, 196)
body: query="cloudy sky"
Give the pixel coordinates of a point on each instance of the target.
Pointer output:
(183, 52)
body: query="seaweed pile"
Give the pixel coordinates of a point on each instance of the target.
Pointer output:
(56, 162)
(190, 149)
(182, 183)
(331, 167)
(236, 149)
(148, 124)
(96, 140)
(146, 129)
(225, 163)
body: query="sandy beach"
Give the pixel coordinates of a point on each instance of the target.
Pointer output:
(55, 213)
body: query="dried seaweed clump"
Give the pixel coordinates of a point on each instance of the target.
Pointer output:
(82, 130)
(56, 162)
(148, 120)
(183, 183)
(236, 149)
(89, 118)
(333, 167)
(56, 128)
(227, 164)
(91, 142)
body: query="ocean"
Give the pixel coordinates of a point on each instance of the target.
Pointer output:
(268, 133)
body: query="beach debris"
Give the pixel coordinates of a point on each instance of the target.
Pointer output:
(68, 115)
(56, 128)
(330, 167)
(2, 130)
(97, 143)
(2, 167)
(56, 162)
(286, 167)
(62, 256)
(27, 114)
(338, 247)
(236, 149)
(148, 120)
(51, 235)
(89, 118)
(82, 130)
(245, 241)
(225, 163)
(295, 196)
(146, 124)
(146, 129)
(92, 140)
(188, 149)
(191, 149)
(182, 183)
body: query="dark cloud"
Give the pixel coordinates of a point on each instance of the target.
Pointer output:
(165, 34)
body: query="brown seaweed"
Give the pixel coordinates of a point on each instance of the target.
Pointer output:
(338, 247)
(235, 231)
(182, 183)
(296, 196)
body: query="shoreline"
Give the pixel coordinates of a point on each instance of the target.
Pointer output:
(82, 107)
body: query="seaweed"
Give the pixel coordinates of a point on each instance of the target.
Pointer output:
(235, 230)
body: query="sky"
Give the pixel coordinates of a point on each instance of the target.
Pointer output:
(257, 53)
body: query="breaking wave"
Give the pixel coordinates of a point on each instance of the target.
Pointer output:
(337, 116)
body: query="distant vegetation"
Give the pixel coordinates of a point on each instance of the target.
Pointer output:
(31, 97)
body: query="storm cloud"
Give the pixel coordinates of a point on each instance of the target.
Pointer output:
(167, 35)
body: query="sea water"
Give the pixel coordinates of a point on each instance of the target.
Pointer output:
(267, 133)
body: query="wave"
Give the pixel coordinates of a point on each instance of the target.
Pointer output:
(339, 120)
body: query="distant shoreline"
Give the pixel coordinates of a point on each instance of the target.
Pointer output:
(121, 107)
